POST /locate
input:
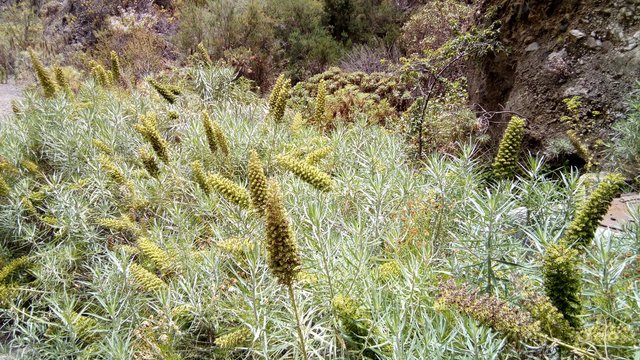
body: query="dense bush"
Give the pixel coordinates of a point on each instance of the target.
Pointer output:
(105, 256)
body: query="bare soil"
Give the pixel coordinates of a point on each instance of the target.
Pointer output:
(8, 92)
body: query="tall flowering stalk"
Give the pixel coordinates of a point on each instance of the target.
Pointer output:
(506, 160)
(48, 86)
(583, 227)
(319, 113)
(115, 67)
(283, 258)
(257, 183)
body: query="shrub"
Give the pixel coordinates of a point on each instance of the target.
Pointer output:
(434, 24)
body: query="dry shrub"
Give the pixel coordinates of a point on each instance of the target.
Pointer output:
(435, 23)
(134, 38)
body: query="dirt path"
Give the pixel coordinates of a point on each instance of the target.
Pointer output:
(8, 92)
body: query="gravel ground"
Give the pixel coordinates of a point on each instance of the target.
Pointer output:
(8, 92)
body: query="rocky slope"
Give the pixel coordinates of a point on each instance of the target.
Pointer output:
(556, 50)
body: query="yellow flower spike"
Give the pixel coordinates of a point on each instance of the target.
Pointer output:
(257, 182)
(204, 54)
(234, 246)
(308, 173)
(62, 81)
(221, 139)
(583, 227)
(148, 128)
(230, 190)
(102, 146)
(5, 189)
(297, 124)
(145, 279)
(273, 97)
(563, 281)
(233, 339)
(113, 171)
(281, 102)
(315, 156)
(165, 92)
(13, 266)
(199, 176)
(209, 132)
(115, 67)
(158, 256)
(149, 162)
(122, 223)
(581, 148)
(283, 259)
(48, 86)
(320, 111)
(506, 160)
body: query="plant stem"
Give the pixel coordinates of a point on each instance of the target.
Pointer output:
(298, 325)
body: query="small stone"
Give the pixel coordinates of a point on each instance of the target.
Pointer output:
(532, 47)
(577, 33)
(592, 43)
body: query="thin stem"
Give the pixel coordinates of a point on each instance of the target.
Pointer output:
(298, 325)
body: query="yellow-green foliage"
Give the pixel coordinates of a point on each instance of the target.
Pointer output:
(591, 211)
(4, 187)
(44, 77)
(173, 115)
(148, 128)
(199, 176)
(562, 281)
(230, 190)
(115, 67)
(316, 155)
(234, 246)
(581, 148)
(283, 258)
(62, 81)
(618, 340)
(145, 279)
(354, 319)
(257, 182)
(389, 270)
(84, 327)
(158, 256)
(149, 162)
(13, 266)
(233, 339)
(102, 146)
(506, 160)
(309, 173)
(204, 54)
(167, 92)
(489, 310)
(273, 97)
(320, 110)
(122, 224)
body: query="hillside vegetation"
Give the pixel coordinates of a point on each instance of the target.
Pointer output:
(216, 179)
(189, 218)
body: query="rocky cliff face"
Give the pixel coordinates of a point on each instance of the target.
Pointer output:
(557, 50)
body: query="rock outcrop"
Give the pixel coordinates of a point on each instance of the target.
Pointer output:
(557, 50)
